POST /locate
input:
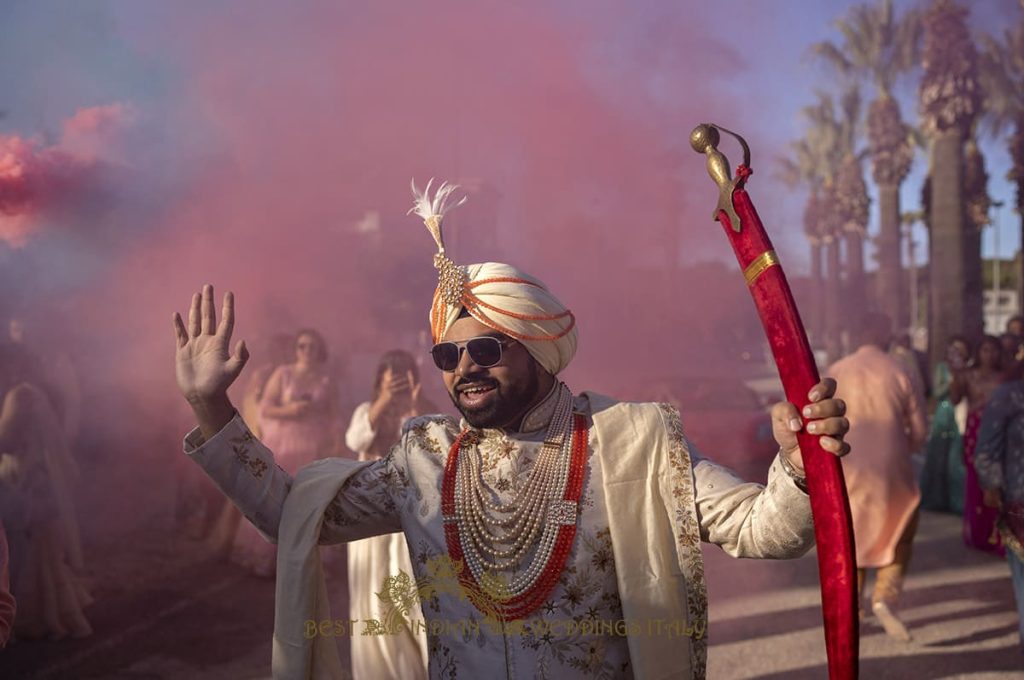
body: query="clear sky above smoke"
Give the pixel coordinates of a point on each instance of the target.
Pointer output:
(267, 147)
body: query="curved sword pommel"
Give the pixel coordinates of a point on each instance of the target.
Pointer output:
(704, 139)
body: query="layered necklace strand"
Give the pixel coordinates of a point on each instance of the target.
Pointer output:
(492, 537)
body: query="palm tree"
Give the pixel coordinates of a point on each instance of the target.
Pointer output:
(812, 229)
(851, 198)
(977, 203)
(1001, 70)
(817, 159)
(950, 98)
(825, 137)
(803, 168)
(877, 47)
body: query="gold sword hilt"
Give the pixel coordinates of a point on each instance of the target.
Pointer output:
(704, 139)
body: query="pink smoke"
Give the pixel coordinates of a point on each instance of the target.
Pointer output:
(299, 131)
(37, 179)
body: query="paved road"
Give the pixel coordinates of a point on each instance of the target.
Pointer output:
(165, 611)
(765, 617)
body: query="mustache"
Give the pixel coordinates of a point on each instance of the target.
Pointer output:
(473, 381)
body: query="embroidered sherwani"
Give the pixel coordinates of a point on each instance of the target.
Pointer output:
(633, 585)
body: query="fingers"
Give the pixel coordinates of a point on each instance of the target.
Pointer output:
(193, 316)
(399, 384)
(180, 334)
(786, 414)
(823, 390)
(208, 316)
(835, 446)
(227, 318)
(236, 362)
(825, 409)
(838, 426)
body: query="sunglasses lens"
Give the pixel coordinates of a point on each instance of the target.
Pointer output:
(485, 352)
(446, 355)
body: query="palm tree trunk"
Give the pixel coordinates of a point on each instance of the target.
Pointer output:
(974, 284)
(1020, 269)
(1017, 160)
(856, 298)
(833, 303)
(818, 294)
(889, 288)
(947, 277)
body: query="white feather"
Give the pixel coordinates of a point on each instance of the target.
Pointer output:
(427, 207)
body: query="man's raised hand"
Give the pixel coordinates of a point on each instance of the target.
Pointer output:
(204, 365)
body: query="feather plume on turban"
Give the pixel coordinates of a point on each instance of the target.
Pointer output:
(497, 295)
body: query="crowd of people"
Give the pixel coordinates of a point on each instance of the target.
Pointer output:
(291, 401)
(972, 455)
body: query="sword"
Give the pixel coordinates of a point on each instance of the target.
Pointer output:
(833, 524)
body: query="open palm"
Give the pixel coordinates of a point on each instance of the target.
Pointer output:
(204, 365)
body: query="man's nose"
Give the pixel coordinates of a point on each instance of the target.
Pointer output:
(466, 365)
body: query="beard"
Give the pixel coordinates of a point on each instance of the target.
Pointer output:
(509, 403)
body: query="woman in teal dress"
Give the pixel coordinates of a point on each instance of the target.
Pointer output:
(943, 474)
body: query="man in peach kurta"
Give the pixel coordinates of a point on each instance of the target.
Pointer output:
(887, 425)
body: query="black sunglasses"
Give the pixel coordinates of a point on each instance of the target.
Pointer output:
(485, 352)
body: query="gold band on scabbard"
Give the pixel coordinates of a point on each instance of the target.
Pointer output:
(760, 264)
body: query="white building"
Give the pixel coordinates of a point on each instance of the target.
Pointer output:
(997, 308)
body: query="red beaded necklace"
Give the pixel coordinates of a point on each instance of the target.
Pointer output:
(522, 605)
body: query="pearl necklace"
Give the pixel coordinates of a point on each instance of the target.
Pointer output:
(492, 537)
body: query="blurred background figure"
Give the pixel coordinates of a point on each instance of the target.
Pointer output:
(915, 364)
(279, 351)
(7, 604)
(1015, 326)
(276, 351)
(57, 373)
(999, 465)
(1009, 343)
(944, 475)
(976, 384)
(298, 421)
(887, 424)
(376, 426)
(38, 479)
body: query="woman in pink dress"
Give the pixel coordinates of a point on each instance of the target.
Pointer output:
(38, 478)
(298, 422)
(7, 604)
(976, 384)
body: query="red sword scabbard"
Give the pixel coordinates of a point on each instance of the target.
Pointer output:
(833, 523)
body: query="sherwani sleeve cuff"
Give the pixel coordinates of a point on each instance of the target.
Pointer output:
(750, 520)
(244, 469)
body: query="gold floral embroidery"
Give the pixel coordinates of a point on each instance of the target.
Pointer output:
(420, 433)
(255, 466)
(688, 537)
(495, 449)
(600, 547)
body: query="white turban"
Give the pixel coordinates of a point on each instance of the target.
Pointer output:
(516, 304)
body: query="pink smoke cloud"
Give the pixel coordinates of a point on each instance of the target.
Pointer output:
(38, 179)
(570, 147)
